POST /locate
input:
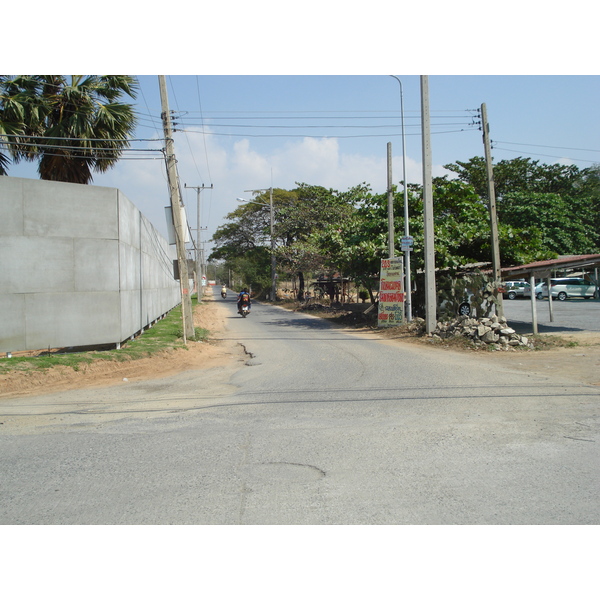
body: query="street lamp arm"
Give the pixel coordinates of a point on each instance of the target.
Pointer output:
(252, 202)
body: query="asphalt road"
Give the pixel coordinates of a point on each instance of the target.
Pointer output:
(570, 316)
(320, 426)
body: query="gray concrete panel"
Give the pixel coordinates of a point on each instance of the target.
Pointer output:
(129, 221)
(11, 207)
(58, 209)
(36, 264)
(12, 330)
(129, 268)
(63, 320)
(96, 267)
(131, 313)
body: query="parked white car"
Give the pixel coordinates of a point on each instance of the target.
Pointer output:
(566, 287)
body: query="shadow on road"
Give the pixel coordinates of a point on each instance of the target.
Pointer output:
(523, 327)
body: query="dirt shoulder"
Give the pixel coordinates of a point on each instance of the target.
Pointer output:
(578, 363)
(197, 355)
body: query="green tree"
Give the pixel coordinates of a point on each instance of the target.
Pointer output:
(298, 214)
(356, 244)
(71, 127)
(517, 174)
(555, 206)
(564, 223)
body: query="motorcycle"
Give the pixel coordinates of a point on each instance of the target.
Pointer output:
(244, 309)
(223, 294)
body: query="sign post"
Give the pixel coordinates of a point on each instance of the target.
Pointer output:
(391, 293)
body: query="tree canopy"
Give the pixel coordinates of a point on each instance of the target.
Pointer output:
(559, 204)
(71, 127)
(543, 211)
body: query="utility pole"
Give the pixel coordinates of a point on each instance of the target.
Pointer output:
(391, 232)
(430, 298)
(199, 249)
(176, 208)
(492, 208)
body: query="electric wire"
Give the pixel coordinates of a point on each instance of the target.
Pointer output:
(202, 120)
(78, 139)
(148, 109)
(545, 155)
(95, 152)
(186, 137)
(544, 146)
(328, 136)
(385, 126)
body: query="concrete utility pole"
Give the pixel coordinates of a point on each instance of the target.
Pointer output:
(391, 232)
(176, 208)
(199, 249)
(430, 293)
(492, 207)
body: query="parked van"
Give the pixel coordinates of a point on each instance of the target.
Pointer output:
(567, 287)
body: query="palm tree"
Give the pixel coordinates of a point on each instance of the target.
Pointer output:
(19, 98)
(72, 128)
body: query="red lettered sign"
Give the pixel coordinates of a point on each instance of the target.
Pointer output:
(391, 292)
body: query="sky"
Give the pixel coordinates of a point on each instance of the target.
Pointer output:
(246, 132)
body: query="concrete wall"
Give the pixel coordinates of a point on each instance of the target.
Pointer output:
(79, 266)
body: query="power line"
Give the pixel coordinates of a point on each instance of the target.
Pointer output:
(386, 126)
(291, 135)
(298, 118)
(543, 146)
(79, 151)
(328, 112)
(202, 120)
(186, 137)
(76, 139)
(546, 155)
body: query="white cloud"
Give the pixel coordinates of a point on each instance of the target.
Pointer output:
(240, 166)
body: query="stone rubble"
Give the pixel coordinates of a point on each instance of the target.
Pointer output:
(492, 332)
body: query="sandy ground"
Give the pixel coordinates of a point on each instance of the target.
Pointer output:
(198, 355)
(580, 363)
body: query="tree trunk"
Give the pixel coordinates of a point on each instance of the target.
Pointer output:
(300, 286)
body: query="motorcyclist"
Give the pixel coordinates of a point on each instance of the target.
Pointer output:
(223, 292)
(244, 296)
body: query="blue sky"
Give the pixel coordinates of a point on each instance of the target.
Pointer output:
(247, 132)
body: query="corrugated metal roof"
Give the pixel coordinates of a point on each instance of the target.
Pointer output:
(543, 266)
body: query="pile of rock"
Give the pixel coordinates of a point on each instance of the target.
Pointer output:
(492, 332)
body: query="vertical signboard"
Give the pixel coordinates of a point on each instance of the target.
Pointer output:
(391, 292)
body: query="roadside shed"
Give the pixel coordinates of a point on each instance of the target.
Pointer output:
(544, 269)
